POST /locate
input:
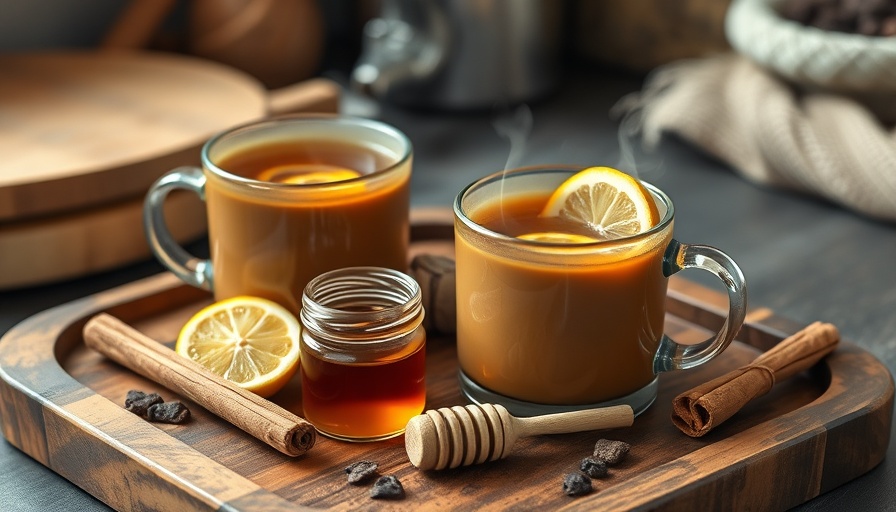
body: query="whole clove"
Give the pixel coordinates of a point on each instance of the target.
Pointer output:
(139, 402)
(576, 484)
(611, 452)
(168, 412)
(361, 471)
(152, 407)
(593, 467)
(387, 488)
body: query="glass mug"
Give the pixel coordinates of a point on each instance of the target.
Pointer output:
(277, 218)
(545, 328)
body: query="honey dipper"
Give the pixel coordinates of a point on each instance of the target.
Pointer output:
(461, 436)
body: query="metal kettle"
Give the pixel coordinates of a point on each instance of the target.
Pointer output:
(460, 54)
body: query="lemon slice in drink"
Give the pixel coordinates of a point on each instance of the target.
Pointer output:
(250, 341)
(307, 174)
(609, 202)
(555, 237)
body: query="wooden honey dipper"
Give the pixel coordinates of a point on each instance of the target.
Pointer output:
(461, 436)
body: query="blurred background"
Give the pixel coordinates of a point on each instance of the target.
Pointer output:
(92, 114)
(280, 41)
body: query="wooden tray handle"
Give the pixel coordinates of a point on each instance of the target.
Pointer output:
(312, 95)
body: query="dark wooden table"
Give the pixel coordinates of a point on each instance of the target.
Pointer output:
(803, 258)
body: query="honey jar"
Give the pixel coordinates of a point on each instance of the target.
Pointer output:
(363, 360)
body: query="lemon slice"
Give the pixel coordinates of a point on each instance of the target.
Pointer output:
(307, 174)
(250, 341)
(556, 237)
(609, 202)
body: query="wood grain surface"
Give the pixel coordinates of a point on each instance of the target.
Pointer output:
(62, 404)
(90, 240)
(81, 129)
(84, 134)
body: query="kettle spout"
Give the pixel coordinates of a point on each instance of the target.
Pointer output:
(366, 79)
(396, 53)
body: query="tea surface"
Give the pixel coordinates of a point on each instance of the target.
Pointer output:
(281, 160)
(519, 215)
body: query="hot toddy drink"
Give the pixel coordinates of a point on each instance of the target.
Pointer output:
(327, 209)
(574, 326)
(289, 199)
(561, 287)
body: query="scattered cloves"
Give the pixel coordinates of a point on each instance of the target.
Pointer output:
(611, 452)
(387, 488)
(139, 402)
(594, 468)
(150, 406)
(576, 484)
(168, 412)
(361, 471)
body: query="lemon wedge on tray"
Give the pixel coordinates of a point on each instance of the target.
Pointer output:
(250, 341)
(609, 202)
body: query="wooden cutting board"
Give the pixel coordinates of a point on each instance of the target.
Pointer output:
(39, 251)
(62, 404)
(80, 129)
(85, 134)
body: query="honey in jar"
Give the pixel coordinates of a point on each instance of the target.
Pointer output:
(363, 360)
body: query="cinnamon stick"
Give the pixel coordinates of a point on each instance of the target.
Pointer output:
(261, 418)
(699, 410)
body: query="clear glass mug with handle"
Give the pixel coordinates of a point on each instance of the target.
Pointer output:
(544, 328)
(288, 199)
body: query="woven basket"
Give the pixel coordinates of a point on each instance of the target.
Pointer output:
(808, 56)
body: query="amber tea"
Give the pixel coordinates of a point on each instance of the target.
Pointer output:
(291, 198)
(535, 315)
(273, 249)
(546, 326)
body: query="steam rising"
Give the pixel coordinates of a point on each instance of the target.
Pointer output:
(629, 130)
(629, 111)
(515, 126)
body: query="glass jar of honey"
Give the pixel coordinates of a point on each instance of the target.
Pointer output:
(363, 359)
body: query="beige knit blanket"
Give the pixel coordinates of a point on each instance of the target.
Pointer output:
(822, 144)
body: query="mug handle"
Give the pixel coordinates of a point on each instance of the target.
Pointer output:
(679, 256)
(189, 268)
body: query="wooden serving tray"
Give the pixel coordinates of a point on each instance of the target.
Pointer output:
(63, 404)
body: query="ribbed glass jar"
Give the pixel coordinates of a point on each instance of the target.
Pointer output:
(363, 353)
